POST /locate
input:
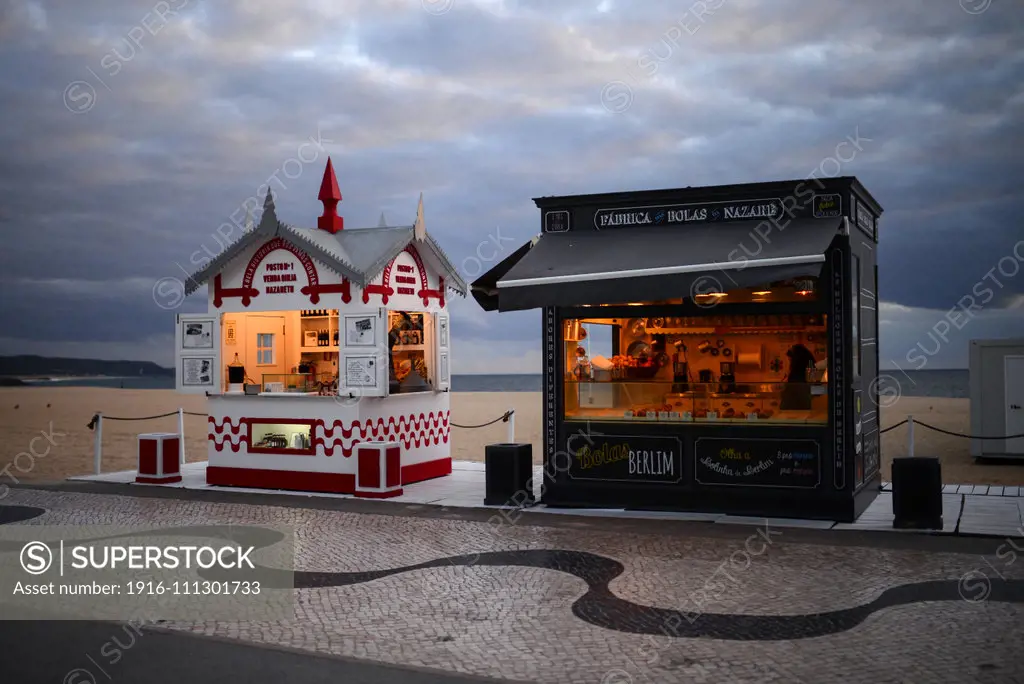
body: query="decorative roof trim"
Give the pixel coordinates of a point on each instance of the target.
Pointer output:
(453, 281)
(229, 254)
(261, 234)
(270, 227)
(454, 278)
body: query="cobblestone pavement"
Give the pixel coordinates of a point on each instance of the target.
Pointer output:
(730, 606)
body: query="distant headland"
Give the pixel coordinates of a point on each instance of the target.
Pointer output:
(15, 370)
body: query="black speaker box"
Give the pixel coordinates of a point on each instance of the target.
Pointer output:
(917, 493)
(508, 469)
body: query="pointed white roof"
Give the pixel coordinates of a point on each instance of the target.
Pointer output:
(358, 254)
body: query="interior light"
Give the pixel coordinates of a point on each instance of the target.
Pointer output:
(804, 287)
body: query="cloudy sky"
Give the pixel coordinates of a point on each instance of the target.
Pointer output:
(133, 129)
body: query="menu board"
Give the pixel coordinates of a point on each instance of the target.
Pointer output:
(197, 371)
(794, 463)
(858, 437)
(197, 335)
(359, 331)
(625, 458)
(871, 463)
(865, 220)
(443, 377)
(360, 371)
(442, 331)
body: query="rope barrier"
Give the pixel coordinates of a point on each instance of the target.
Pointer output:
(945, 432)
(96, 417)
(503, 418)
(92, 423)
(893, 427)
(960, 434)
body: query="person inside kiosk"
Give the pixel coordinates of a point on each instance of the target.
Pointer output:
(407, 345)
(647, 360)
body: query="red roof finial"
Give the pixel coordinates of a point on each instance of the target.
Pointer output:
(330, 195)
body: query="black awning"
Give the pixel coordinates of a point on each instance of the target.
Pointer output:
(643, 264)
(485, 288)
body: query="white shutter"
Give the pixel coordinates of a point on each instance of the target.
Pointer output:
(363, 354)
(442, 357)
(197, 363)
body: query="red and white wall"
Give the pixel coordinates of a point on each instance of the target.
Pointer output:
(419, 422)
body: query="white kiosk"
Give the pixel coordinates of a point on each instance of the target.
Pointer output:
(317, 340)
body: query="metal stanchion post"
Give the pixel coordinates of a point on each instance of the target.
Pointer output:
(512, 426)
(181, 435)
(910, 436)
(98, 444)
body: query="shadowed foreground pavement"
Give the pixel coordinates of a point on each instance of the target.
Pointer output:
(67, 652)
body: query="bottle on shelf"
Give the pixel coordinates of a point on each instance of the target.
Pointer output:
(335, 338)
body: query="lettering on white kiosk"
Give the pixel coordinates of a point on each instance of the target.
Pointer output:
(403, 278)
(276, 274)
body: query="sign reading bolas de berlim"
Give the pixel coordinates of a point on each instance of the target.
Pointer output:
(679, 214)
(633, 458)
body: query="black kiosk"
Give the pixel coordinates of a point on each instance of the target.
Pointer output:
(740, 324)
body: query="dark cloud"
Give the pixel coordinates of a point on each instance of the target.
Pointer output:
(483, 107)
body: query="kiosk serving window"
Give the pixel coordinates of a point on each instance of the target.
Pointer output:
(293, 352)
(707, 368)
(410, 365)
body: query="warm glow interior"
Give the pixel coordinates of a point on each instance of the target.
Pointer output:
(282, 351)
(297, 351)
(409, 339)
(802, 290)
(710, 368)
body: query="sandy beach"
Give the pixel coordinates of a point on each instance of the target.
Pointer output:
(58, 417)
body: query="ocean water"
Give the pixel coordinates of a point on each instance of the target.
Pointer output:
(923, 383)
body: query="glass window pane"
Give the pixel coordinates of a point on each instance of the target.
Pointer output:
(709, 369)
(411, 367)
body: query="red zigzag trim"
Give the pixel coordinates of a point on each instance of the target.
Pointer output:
(411, 431)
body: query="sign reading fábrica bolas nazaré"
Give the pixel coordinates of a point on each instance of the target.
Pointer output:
(677, 214)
